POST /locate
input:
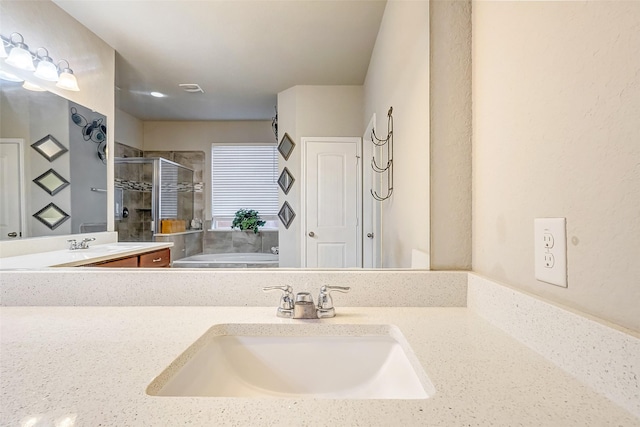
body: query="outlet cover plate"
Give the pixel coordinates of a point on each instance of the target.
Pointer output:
(550, 250)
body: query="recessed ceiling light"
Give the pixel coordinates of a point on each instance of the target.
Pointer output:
(157, 94)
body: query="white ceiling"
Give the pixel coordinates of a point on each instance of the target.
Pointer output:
(241, 52)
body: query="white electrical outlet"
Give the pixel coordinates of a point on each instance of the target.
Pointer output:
(550, 248)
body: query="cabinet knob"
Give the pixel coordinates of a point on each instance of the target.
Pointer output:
(311, 234)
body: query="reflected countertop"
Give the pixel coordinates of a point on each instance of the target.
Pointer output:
(79, 257)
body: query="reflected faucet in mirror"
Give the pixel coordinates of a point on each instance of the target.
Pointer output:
(84, 244)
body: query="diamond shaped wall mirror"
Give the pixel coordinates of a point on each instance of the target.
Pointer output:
(286, 146)
(49, 148)
(51, 182)
(286, 180)
(51, 216)
(286, 214)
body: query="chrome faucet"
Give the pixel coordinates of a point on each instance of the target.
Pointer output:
(73, 245)
(303, 306)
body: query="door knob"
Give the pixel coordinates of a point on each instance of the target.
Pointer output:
(12, 234)
(311, 234)
(370, 235)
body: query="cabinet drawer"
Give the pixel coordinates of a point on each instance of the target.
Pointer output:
(119, 263)
(161, 258)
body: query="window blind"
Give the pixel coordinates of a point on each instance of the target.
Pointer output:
(244, 177)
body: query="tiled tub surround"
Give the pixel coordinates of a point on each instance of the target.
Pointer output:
(185, 244)
(235, 241)
(482, 375)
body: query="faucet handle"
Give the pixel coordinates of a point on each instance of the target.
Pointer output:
(85, 242)
(72, 244)
(325, 302)
(324, 297)
(285, 308)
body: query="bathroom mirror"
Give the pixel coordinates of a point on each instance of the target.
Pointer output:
(286, 180)
(286, 146)
(49, 148)
(51, 182)
(61, 165)
(51, 216)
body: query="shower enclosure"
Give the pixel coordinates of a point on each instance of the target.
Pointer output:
(152, 196)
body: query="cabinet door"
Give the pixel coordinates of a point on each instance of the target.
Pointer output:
(161, 258)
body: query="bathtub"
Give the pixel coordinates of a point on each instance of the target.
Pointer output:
(229, 260)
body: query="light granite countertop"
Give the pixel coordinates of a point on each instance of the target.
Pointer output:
(90, 366)
(79, 257)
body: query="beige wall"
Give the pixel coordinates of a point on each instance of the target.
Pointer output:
(309, 111)
(450, 92)
(129, 130)
(556, 132)
(198, 136)
(398, 76)
(42, 23)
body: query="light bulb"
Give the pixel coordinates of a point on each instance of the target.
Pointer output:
(20, 57)
(67, 80)
(33, 87)
(10, 77)
(46, 70)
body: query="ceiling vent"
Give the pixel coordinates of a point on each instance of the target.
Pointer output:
(191, 87)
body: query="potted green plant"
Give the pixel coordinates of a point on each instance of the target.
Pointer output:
(247, 219)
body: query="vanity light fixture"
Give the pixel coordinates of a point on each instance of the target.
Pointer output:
(10, 77)
(67, 79)
(46, 69)
(3, 51)
(33, 87)
(19, 56)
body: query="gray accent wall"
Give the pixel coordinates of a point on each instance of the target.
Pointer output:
(88, 171)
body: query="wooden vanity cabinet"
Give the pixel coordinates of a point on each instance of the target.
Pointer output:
(156, 259)
(131, 261)
(161, 258)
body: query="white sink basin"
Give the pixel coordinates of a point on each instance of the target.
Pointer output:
(305, 360)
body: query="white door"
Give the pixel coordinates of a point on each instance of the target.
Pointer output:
(332, 202)
(371, 212)
(11, 184)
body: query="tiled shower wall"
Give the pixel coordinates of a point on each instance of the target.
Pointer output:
(137, 227)
(195, 161)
